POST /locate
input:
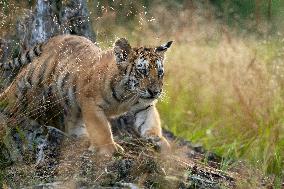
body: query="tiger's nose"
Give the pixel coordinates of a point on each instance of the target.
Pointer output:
(154, 92)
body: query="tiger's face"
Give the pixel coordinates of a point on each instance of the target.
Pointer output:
(142, 67)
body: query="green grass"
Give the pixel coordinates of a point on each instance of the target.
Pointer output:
(214, 96)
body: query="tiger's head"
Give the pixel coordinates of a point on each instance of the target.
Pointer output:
(143, 68)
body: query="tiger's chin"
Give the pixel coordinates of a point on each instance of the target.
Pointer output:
(147, 100)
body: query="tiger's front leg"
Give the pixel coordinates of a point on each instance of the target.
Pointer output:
(147, 123)
(99, 129)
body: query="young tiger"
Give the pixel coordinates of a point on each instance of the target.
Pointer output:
(91, 85)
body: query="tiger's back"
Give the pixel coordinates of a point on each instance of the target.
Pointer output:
(48, 80)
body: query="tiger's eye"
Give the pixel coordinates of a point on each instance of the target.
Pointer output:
(142, 66)
(160, 72)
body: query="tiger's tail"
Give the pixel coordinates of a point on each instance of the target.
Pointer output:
(4, 97)
(23, 59)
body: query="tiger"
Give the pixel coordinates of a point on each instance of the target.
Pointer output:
(90, 86)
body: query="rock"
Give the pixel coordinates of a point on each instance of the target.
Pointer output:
(58, 161)
(32, 142)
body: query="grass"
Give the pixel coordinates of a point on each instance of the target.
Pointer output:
(228, 98)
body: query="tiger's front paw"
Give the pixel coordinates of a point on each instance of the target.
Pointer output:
(161, 144)
(107, 150)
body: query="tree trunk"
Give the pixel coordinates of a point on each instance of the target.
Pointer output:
(50, 18)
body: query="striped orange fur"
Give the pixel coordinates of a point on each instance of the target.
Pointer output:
(90, 86)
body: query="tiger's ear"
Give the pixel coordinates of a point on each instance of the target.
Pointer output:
(121, 50)
(163, 48)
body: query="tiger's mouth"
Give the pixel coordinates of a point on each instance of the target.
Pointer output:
(146, 100)
(149, 95)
